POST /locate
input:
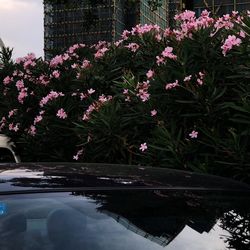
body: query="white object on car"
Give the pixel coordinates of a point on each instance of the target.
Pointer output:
(6, 143)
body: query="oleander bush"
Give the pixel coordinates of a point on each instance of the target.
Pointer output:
(175, 98)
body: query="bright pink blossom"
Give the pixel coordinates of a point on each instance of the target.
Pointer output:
(56, 74)
(132, 46)
(7, 80)
(22, 95)
(172, 85)
(153, 112)
(229, 43)
(150, 74)
(19, 85)
(143, 147)
(168, 53)
(101, 52)
(61, 114)
(193, 134)
(91, 91)
(32, 130)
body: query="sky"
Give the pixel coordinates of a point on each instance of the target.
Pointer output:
(21, 26)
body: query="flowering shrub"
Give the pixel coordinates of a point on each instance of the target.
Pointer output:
(175, 98)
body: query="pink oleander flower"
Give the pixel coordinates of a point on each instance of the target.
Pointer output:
(38, 119)
(102, 98)
(172, 85)
(193, 134)
(65, 57)
(150, 74)
(187, 78)
(57, 60)
(229, 43)
(61, 114)
(29, 63)
(132, 46)
(125, 91)
(86, 64)
(13, 127)
(74, 66)
(168, 53)
(51, 96)
(125, 34)
(56, 74)
(118, 43)
(101, 52)
(44, 80)
(91, 91)
(142, 89)
(12, 112)
(242, 34)
(7, 80)
(22, 95)
(160, 60)
(19, 85)
(79, 153)
(32, 130)
(143, 147)
(153, 112)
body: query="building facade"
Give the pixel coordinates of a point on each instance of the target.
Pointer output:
(79, 21)
(220, 7)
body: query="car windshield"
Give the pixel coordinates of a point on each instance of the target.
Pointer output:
(124, 220)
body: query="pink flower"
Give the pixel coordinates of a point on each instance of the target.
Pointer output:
(91, 91)
(187, 78)
(61, 114)
(7, 80)
(12, 112)
(229, 43)
(101, 52)
(22, 95)
(193, 134)
(57, 60)
(86, 64)
(125, 34)
(19, 85)
(153, 112)
(200, 81)
(125, 91)
(172, 85)
(56, 73)
(150, 74)
(160, 60)
(242, 34)
(13, 127)
(38, 119)
(143, 147)
(79, 153)
(132, 46)
(32, 130)
(168, 53)
(74, 66)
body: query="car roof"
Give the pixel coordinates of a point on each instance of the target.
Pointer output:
(53, 177)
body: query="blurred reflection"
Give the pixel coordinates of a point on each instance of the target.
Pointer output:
(237, 223)
(127, 220)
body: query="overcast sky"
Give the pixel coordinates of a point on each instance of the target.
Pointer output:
(21, 26)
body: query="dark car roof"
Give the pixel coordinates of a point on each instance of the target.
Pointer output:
(49, 177)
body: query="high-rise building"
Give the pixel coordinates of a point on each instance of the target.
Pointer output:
(85, 21)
